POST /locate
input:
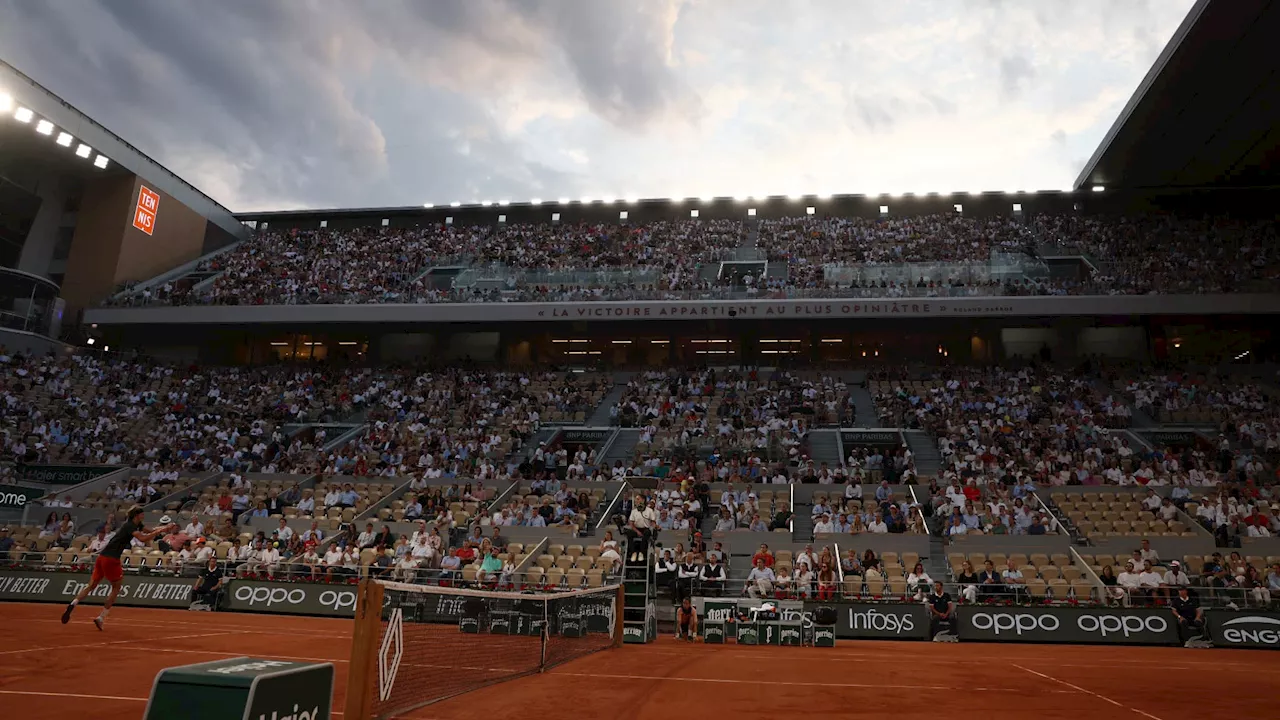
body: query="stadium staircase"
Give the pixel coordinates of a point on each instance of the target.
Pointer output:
(864, 408)
(1140, 418)
(623, 447)
(639, 599)
(925, 449)
(802, 522)
(824, 447)
(602, 415)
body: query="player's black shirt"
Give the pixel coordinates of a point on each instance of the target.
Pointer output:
(1185, 608)
(210, 577)
(120, 541)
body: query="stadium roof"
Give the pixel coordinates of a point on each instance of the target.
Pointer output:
(1207, 114)
(25, 144)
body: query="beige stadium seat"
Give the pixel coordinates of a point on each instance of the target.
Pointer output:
(546, 562)
(564, 562)
(1059, 588)
(1037, 588)
(1083, 590)
(595, 578)
(555, 577)
(535, 576)
(515, 548)
(555, 549)
(1050, 572)
(898, 586)
(470, 573)
(584, 562)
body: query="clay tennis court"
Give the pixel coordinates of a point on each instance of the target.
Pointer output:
(48, 670)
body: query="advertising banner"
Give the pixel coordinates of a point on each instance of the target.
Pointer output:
(61, 587)
(870, 438)
(62, 474)
(584, 437)
(17, 496)
(877, 621)
(1243, 629)
(297, 598)
(1122, 626)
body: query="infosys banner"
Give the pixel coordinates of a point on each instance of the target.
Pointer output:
(1243, 629)
(1132, 626)
(880, 621)
(145, 591)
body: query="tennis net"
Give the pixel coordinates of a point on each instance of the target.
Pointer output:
(417, 644)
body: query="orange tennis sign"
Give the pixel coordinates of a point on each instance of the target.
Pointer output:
(144, 216)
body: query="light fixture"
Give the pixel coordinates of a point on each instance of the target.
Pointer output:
(64, 139)
(1242, 355)
(23, 115)
(504, 203)
(563, 201)
(608, 199)
(659, 342)
(427, 205)
(280, 344)
(586, 200)
(106, 348)
(44, 127)
(1099, 188)
(486, 203)
(621, 342)
(348, 342)
(706, 198)
(632, 199)
(90, 341)
(84, 151)
(536, 201)
(455, 203)
(832, 340)
(6, 102)
(101, 162)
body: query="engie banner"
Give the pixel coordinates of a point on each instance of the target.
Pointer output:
(1243, 629)
(141, 590)
(879, 621)
(1127, 626)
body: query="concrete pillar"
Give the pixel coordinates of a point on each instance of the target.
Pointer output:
(37, 249)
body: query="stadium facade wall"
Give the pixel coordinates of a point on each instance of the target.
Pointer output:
(105, 209)
(178, 237)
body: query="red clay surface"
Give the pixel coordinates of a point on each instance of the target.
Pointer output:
(52, 671)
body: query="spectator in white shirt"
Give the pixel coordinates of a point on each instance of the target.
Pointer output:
(284, 532)
(878, 525)
(195, 528)
(1149, 581)
(760, 581)
(1149, 555)
(1130, 581)
(824, 525)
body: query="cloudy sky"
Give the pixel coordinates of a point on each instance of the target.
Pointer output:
(281, 104)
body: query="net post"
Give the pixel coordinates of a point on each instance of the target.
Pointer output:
(364, 651)
(618, 624)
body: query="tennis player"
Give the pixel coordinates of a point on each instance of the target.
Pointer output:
(107, 567)
(686, 621)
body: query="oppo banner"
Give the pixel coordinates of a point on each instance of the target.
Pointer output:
(877, 621)
(1243, 629)
(291, 598)
(1127, 626)
(61, 587)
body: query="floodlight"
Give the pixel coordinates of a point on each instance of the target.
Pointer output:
(563, 201)
(6, 102)
(427, 205)
(1099, 188)
(586, 200)
(84, 151)
(90, 341)
(608, 199)
(504, 203)
(633, 199)
(44, 127)
(486, 203)
(455, 203)
(23, 115)
(101, 162)
(536, 201)
(64, 139)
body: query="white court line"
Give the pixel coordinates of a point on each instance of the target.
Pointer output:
(116, 642)
(286, 630)
(1086, 692)
(70, 695)
(795, 683)
(907, 659)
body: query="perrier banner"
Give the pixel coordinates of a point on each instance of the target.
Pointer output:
(63, 474)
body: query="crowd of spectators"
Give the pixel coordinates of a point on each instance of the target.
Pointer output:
(931, 255)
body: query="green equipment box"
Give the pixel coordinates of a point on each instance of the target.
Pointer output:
(789, 634)
(243, 688)
(713, 632)
(746, 634)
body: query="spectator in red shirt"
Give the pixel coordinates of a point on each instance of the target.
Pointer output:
(763, 555)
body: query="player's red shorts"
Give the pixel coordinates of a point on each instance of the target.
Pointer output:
(107, 568)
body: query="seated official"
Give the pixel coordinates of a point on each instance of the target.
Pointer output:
(942, 610)
(208, 587)
(712, 577)
(1189, 614)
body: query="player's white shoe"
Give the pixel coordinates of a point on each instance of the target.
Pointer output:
(98, 621)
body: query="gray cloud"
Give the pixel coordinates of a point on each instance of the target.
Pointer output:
(1015, 72)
